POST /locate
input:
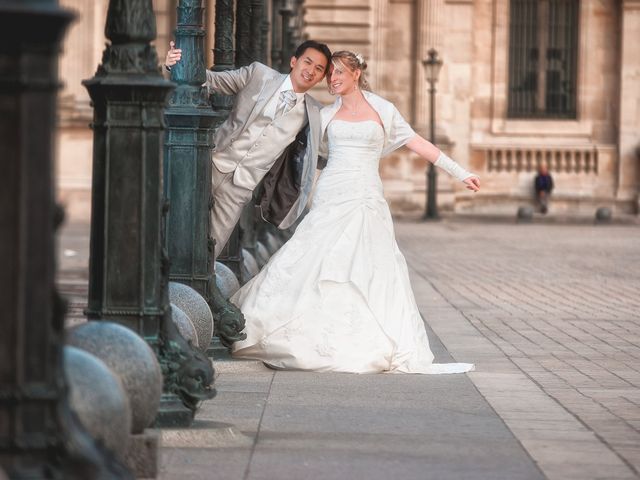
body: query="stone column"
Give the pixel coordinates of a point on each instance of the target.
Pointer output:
(128, 268)
(629, 131)
(429, 13)
(39, 435)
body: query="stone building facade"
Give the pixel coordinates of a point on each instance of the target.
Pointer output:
(593, 152)
(523, 82)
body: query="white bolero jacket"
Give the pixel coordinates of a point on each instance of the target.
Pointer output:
(397, 132)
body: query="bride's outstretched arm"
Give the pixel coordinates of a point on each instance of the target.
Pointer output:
(432, 153)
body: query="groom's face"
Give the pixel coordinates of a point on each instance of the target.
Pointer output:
(307, 70)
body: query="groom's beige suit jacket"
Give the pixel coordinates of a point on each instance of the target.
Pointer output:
(248, 151)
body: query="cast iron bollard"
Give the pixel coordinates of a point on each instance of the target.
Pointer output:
(223, 58)
(39, 435)
(128, 267)
(187, 168)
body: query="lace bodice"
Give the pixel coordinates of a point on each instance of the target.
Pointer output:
(355, 144)
(351, 174)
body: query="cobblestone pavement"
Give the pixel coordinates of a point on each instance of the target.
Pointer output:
(550, 315)
(560, 308)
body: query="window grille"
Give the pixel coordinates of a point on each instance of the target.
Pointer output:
(543, 47)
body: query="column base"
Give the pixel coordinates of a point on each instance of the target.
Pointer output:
(173, 413)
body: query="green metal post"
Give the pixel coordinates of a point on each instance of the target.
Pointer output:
(190, 127)
(229, 321)
(40, 437)
(276, 34)
(128, 266)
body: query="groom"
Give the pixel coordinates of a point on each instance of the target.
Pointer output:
(272, 132)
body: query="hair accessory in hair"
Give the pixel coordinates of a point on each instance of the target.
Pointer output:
(360, 58)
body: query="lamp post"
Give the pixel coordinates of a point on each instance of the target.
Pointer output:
(432, 67)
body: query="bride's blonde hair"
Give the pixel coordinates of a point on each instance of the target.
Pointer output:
(352, 62)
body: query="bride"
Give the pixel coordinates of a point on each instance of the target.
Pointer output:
(337, 297)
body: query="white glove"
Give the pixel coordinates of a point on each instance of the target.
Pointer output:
(453, 168)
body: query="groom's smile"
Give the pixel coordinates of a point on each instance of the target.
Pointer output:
(307, 70)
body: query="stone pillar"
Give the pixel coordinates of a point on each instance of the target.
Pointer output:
(187, 169)
(128, 268)
(39, 435)
(629, 131)
(429, 13)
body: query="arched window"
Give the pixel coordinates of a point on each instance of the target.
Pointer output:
(543, 51)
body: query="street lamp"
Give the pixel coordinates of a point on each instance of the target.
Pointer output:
(432, 66)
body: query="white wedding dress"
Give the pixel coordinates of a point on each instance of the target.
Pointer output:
(336, 297)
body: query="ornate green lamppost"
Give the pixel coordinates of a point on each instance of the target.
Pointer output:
(40, 437)
(432, 66)
(128, 265)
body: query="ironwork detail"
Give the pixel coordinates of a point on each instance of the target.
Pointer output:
(543, 47)
(187, 171)
(40, 437)
(129, 265)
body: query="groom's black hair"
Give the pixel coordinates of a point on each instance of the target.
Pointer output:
(321, 47)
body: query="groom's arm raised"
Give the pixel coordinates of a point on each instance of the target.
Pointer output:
(228, 82)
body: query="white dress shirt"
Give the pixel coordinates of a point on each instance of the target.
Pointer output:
(272, 104)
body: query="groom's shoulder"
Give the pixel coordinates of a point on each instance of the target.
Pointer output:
(262, 69)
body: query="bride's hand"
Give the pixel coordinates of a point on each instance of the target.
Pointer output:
(472, 183)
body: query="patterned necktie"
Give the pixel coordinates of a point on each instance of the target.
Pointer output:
(286, 102)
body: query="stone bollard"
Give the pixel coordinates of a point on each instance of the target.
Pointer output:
(97, 397)
(133, 361)
(525, 214)
(196, 308)
(249, 265)
(262, 255)
(226, 280)
(185, 326)
(603, 215)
